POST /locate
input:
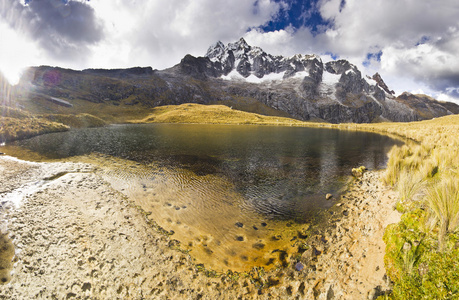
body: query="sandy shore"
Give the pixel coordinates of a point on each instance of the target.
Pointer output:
(77, 238)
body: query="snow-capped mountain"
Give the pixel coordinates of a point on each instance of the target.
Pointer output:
(304, 86)
(240, 61)
(245, 78)
(254, 64)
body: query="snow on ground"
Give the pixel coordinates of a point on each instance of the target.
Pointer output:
(327, 87)
(330, 79)
(370, 81)
(300, 74)
(234, 75)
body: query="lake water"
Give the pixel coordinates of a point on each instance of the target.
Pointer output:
(236, 196)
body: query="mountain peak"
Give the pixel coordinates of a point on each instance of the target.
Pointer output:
(376, 77)
(240, 60)
(215, 50)
(242, 42)
(239, 46)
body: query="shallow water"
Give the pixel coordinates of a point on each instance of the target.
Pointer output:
(236, 196)
(6, 255)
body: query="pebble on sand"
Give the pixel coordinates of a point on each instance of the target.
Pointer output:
(299, 266)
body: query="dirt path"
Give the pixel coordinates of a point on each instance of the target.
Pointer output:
(77, 238)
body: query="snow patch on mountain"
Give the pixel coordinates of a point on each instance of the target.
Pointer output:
(252, 62)
(234, 75)
(369, 80)
(330, 79)
(337, 81)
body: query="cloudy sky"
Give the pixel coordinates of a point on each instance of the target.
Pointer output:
(413, 44)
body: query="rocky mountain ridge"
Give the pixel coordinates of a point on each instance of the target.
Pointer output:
(308, 89)
(247, 60)
(237, 75)
(239, 59)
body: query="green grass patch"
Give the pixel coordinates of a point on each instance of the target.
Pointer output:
(418, 269)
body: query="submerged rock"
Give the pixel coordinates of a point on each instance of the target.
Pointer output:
(358, 172)
(239, 224)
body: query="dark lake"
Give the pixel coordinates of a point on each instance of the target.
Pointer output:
(231, 194)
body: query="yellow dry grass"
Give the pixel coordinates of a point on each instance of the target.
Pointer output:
(15, 129)
(211, 114)
(76, 121)
(16, 124)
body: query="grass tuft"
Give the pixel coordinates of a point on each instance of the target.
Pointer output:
(408, 186)
(443, 201)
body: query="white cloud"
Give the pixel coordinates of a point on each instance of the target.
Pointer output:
(160, 33)
(275, 42)
(62, 30)
(446, 97)
(435, 64)
(45, 32)
(19, 47)
(418, 39)
(124, 33)
(363, 24)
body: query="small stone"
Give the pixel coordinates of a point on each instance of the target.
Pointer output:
(276, 237)
(303, 233)
(358, 172)
(374, 293)
(407, 246)
(299, 266)
(258, 246)
(239, 224)
(86, 286)
(310, 253)
(328, 196)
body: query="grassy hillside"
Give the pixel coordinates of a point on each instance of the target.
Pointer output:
(76, 121)
(212, 114)
(16, 124)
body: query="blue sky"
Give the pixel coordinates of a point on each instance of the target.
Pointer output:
(297, 14)
(412, 44)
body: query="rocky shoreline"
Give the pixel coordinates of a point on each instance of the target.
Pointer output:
(75, 237)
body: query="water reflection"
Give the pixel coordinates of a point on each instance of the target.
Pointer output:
(237, 196)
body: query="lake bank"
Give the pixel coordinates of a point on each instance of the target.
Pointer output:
(433, 156)
(75, 237)
(238, 197)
